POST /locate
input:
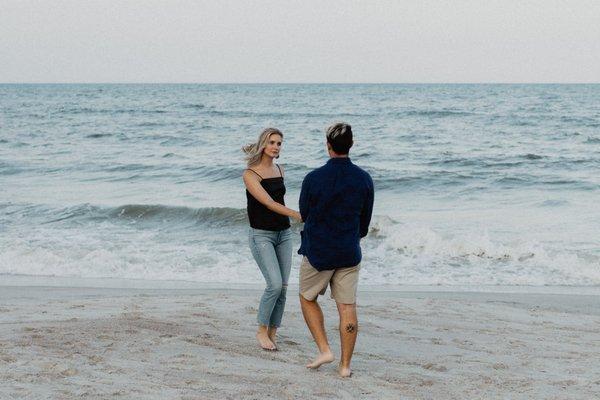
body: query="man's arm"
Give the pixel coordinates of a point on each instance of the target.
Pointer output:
(304, 198)
(367, 209)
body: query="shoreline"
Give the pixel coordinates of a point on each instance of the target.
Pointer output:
(127, 283)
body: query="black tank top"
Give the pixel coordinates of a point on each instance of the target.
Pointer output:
(260, 216)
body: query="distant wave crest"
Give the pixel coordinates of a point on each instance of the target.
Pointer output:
(153, 214)
(208, 215)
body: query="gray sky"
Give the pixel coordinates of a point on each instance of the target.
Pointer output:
(300, 41)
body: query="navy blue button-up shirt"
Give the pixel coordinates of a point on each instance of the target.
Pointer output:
(336, 203)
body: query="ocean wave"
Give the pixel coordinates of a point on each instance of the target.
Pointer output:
(110, 111)
(9, 169)
(389, 180)
(422, 255)
(486, 162)
(150, 124)
(280, 114)
(554, 203)
(173, 155)
(146, 215)
(394, 252)
(531, 156)
(98, 135)
(131, 167)
(412, 240)
(195, 106)
(150, 214)
(214, 216)
(580, 120)
(214, 173)
(433, 113)
(458, 161)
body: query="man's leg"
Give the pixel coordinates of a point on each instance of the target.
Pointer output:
(348, 333)
(344, 283)
(313, 315)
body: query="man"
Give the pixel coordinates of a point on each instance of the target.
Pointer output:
(336, 203)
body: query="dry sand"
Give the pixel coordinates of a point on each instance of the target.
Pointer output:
(67, 343)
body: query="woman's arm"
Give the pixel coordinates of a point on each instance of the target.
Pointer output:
(253, 185)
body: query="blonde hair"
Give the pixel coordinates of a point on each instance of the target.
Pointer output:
(254, 151)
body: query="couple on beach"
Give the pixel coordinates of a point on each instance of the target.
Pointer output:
(336, 203)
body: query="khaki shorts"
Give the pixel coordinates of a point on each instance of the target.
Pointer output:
(343, 282)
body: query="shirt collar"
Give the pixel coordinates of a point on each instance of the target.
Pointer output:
(339, 160)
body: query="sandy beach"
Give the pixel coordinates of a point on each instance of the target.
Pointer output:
(95, 343)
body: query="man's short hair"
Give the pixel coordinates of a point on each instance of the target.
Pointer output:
(339, 136)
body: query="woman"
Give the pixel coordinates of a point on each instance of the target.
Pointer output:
(270, 235)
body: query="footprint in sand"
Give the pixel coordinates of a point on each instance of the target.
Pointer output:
(93, 360)
(565, 383)
(7, 358)
(463, 342)
(435, 367)
(69, 372)
(49, 367)
(291, 342)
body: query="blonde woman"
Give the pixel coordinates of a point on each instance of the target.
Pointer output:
(270, 236)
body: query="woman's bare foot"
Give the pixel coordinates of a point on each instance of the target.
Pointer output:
(322, 358)
(345, 372)
(273, 336)
(263, 339)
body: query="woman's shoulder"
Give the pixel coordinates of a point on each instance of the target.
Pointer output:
(250, 173)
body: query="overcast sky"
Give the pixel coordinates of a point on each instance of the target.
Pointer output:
(300, 41)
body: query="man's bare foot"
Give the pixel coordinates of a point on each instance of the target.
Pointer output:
(345, 372)
(264, 341)
(322, 358)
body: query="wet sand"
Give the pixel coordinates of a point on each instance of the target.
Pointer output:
(93, 343)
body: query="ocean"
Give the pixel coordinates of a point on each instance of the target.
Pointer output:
(477, 185)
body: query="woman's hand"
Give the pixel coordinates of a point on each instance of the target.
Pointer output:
(296, 216)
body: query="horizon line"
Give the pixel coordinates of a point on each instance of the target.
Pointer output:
(298, 83)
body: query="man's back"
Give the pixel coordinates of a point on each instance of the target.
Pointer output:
(336, 203)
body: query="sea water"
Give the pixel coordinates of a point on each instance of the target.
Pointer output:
(475, 184)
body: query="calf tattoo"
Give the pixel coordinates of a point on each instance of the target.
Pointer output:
(350, 328)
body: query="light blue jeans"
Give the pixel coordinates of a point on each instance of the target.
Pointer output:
(272, 251)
